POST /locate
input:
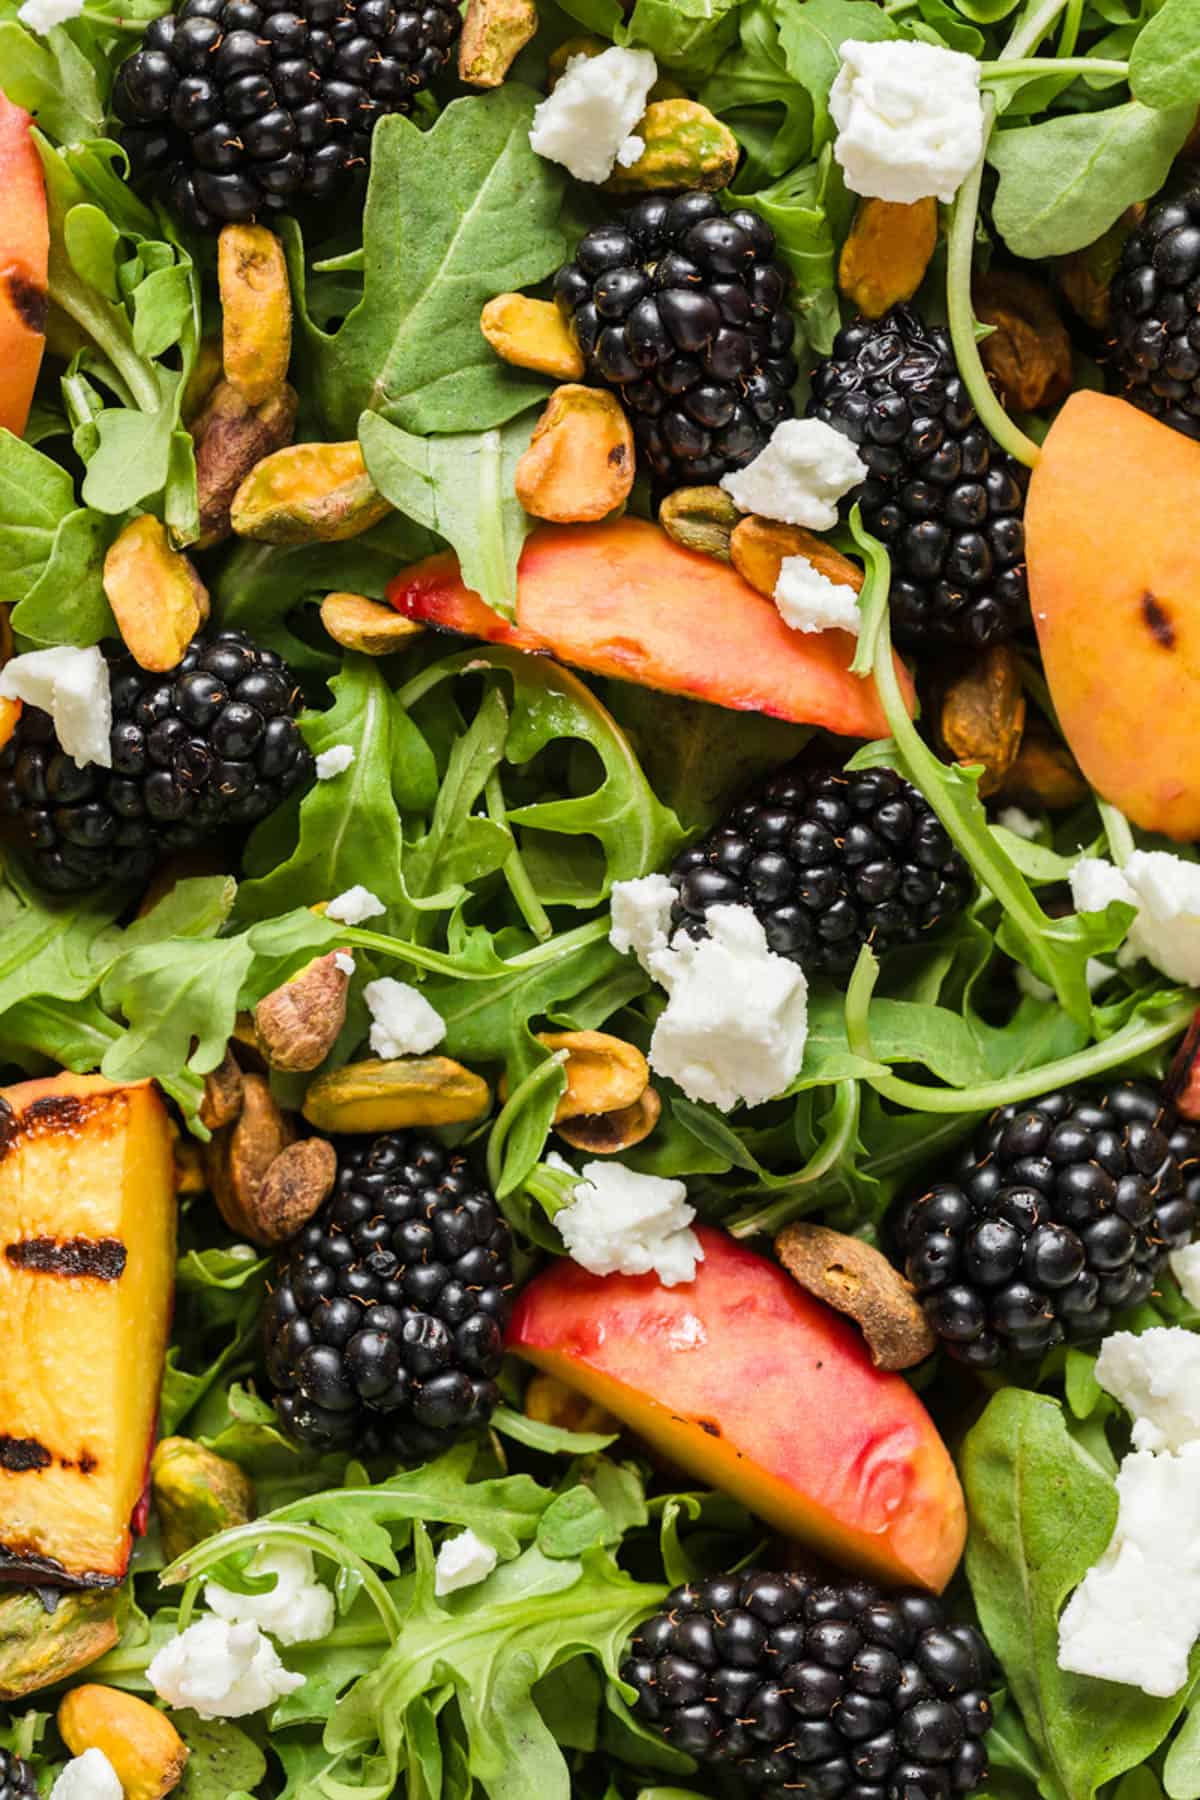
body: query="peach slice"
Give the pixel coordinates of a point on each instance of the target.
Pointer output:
(748, 1383)
(620, 598)
(24, 255)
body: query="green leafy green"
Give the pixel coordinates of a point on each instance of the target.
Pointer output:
(51, 550)
(52, 79)
(222, 1760)
(810, 212)
(1164, 63)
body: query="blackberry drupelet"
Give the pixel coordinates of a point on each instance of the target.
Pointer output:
(1154, 306)
(832, 1691)
(680, 307)
(940, 493)
(209, 746)
(829, 861)
(386, 1319)
(17, 1779)
(1060, 1213)
(239, 109)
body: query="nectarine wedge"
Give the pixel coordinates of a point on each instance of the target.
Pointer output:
(1114, 582)
(24, 253)
(621, 598)
(745, 1381)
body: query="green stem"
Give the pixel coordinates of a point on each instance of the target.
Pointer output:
(1118, 831)
(841, 1124)
(513, 869)
(1037, 66)
(107, 23)
(439, 963)
(551, 1070)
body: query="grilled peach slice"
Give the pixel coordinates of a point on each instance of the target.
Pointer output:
(24, 252)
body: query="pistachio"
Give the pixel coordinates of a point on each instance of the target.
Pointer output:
(858, 1280)
(224, 1093)
(1028, 352)
(580, 462)
(608, 1133)
(157, 598)
(206, 372)
(231, 437)
(367, 626)
(759, 546)
(298, 1023)
(390, 1096)
(196, 1493)
(700, 518)
(189, 1166)
(551, 1402)
(256, 311)
(308, 494)
(982, 715)
(1044, 773)
(886, 253)
(493, 35)
(686, 147)
(604, 1074)
(532, 334)
(144, 1748)
(41, 1646)
(239, 1156)
(297, 1183)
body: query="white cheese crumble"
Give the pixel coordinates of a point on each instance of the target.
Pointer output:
(641, 916)
(461, 1562)
(799, 476)
(355, 906)
(221, 1671)
(1185, 1266)
(42, 16)
(1166, 892)
(343, 960)
(334, 761)
(621, 1223)
(809, 601)
(72, 686)
(88, 1777)
(1019, 822)
(402, 1021)
(909, 119)
(298, 1609)
(1156, 1377)
(587, 122)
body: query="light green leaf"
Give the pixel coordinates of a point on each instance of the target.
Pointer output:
(1164, 65)
(812, 36)
(222, 1758)
(67, 603)
(53, 79)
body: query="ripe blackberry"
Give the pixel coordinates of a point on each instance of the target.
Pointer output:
(940, 493)
(680, 307)
(238, 108)
(833, 1691)
(1060, 1213)
(386, 1318)
(17, 1779)
(207, 747)
(829, 861)
(1154, 304)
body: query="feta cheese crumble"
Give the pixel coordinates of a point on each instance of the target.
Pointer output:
(1166, 892)
(355, 906)
(799, 476)
(1185, 1266)
(343, 960)
(621, 1223)
(402, 1021)
(88, 1777)
(909, 119)
(461, 1562)
(1014, 819)
(587, 123)
(334, 761)
(641, 916)
(297, 1609)
(221, 1671)
(72, 686)
(1156, 1377)
(42, 16)
(809, 601)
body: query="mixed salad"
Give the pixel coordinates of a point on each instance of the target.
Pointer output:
(601, 938)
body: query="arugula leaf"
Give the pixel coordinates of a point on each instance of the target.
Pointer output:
(810, 211)
(751, 88)
(222, 1759)
(454, 215)
(689, 35)
(1164, 64)
(552, 1440)
(52, 79)
(1181, 1771)
(812, 36)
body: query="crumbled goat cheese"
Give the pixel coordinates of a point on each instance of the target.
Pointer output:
(1136, 1614)
(221, 1671)
(402, 1021)
(799, 476)
(43, 15)
(334, 761)
(621, 1223)
(587, 122)
(641, 916)
(1156, 1377)
(909, 119)
(461, 1562)
(1018, 822)
(72, 686)
(355, 906)
(1185, 1266)
(736, 1020)
(809, 601)
(1166, 892)
(298, 1609)
(88, 1777)
(343, 960)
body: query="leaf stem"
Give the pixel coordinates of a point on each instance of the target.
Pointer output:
(516, 875)
(547, 1072)
(1034, 66)
(107, 22)
(197, 1561)
(839, 1127)
(1118, 831)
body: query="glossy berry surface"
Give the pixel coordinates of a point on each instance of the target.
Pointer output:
(1154, 309)
(681, 308)
(828, 861)
(1057, 1217)
(17, 1779)
(237, 110)
(387, 1313)
(207, 748)
(940, 493)
(833, 1690)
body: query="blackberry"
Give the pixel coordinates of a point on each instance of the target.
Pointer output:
(1060, 1214)
(940, 493)
(17, 1779)
(209, 746)
(387, 1313)
(834, 1691)
(237, 109)
(680, 307)
(829, 861)
(1154, 305)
